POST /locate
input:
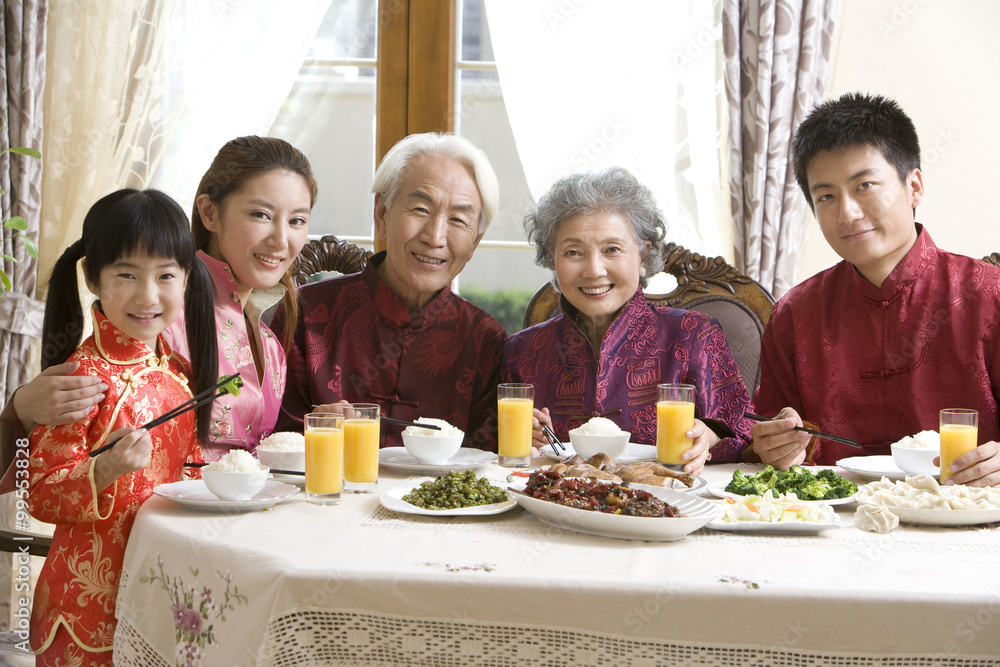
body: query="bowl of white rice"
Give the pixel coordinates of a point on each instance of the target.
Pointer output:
(915, 453)
(283, 451)
(599, 435)
(237, 475)
(431, 446)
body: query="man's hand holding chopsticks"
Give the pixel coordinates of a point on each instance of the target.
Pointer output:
(776, 442)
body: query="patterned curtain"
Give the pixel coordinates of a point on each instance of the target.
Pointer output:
(22, 70)
(777, 61)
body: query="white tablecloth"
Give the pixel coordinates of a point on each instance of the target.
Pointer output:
(357, 584)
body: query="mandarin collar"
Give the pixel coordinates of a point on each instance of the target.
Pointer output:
(121, 349)
(914, 263)
(391, 307)
(227, 290)
(633, 308)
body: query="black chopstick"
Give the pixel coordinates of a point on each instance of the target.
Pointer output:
(201, 399)
(402, 422)
(273, 470)
(825, 436)
(553, 440)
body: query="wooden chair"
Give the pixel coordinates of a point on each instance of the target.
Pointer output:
(708, 285)
(328, 254)
(13, 541)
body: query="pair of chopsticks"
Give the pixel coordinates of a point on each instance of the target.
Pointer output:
(825, 436)
(201, 399)
(550, 435)
(403, 422)
(273, 470)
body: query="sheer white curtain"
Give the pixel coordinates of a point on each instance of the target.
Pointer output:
(142, 93)
(634, 83)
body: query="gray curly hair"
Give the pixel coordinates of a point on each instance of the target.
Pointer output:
(613, 190)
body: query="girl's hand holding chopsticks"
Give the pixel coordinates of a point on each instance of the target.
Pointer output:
(229, 384)
(131, 450)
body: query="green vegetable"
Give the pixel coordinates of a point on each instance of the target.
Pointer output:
(824, 485)
(456, 489)
(233, 386)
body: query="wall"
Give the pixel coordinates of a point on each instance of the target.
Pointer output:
(938, 59)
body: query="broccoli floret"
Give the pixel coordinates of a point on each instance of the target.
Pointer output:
(740, 484)
(814, 490)
(828, 475)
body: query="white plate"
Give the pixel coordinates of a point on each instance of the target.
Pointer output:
(193, 493)
(392, 499)
(398, 459)
(633, 452)
(875, 468)
(941, 517)
(697, 512)
(718, 489)
(297, 480)
(779, 527)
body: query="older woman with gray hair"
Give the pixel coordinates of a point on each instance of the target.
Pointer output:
(604, 355)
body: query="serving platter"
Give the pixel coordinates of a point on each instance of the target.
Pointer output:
(718, 489)
(194, 494)
(696, 513)
(925, 517)
(832, 520)
(634, 451)
(399, 460)
(392, 499)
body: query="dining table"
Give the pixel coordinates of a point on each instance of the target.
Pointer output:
(359, 584)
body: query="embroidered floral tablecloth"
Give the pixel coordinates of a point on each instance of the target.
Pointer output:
(357, 584)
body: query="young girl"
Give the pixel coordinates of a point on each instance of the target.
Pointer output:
(250, 220)
(139, 260)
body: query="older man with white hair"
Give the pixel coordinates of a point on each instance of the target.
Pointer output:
(395, 334)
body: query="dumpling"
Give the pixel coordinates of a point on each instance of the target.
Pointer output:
(925, 482)
(875, 519)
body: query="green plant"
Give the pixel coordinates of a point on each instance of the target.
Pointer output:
(507, 306)
(16, 224)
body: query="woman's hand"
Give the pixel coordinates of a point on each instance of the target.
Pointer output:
(538, 439)
(702, 440)
(129, 454)
(980, 467)
(54, 397)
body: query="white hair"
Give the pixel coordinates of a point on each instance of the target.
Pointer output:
(389, 173)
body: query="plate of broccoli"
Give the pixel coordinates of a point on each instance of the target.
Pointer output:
(823, 486)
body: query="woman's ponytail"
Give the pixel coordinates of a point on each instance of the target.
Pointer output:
(203, 343)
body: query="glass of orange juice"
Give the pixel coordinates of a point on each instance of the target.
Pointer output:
(515, 406)
(324, 433)
(361, 436)
(674, 418)
(959, 434)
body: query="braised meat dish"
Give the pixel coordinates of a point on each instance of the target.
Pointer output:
(586, 494)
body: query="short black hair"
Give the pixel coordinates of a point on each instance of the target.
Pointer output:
(854, 120)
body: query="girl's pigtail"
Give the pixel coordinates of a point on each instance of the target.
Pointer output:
(63, 325)
(199, 316)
